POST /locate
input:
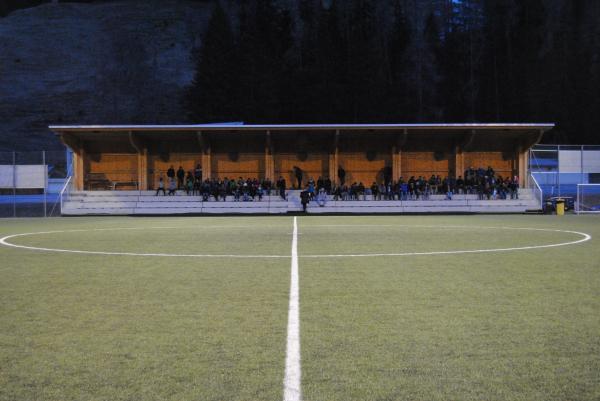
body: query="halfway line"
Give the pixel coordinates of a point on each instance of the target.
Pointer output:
(291, 382)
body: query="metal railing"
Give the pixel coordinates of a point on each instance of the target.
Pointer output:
(65, 193)
(537, 190)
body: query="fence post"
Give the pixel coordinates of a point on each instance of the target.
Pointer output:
(45, 180)
(14, 184)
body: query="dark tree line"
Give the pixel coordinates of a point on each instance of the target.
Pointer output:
(403, 61)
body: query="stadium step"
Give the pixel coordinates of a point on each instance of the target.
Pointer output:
(147, 203)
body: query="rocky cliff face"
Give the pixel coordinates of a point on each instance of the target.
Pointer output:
(111, 63)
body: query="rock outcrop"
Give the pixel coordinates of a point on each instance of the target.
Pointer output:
(108, 63)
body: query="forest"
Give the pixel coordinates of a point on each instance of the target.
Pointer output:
(360, 61)
(367, 61)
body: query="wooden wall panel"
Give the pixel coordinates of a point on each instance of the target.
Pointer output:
(315, 165)
(360, 169)
(157, 166)
(248, 165)
(484, 159)
(116, 167)
(425, 164)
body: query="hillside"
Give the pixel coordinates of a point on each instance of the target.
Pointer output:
(124, 62)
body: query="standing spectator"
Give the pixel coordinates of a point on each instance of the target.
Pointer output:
(180, 177)
(281, 187)
(170, 173)
(189, 184)
(341, 175)
(304, 199)
(298, 173)
(514, 188)
(198, 173)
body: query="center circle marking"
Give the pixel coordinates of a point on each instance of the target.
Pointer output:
(584, 237)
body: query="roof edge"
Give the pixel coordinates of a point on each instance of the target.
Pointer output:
(288, 127)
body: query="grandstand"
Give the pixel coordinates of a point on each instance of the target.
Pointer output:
(116, 168)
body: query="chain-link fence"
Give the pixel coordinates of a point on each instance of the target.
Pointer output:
(30, 182)
(560, 168)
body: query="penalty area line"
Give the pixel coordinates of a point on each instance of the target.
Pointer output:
(291, 382)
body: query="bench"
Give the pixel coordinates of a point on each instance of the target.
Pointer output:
(97, 181)
(116, 184)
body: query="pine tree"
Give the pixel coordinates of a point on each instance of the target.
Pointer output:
(264, 41)
(365, 72)
(399, 104)
(212, 95)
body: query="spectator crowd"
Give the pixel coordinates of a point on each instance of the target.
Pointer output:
(482, 182)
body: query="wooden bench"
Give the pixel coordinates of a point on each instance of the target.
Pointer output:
(116, 184)
(97, 181)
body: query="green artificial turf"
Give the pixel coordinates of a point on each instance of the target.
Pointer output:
(518, 325)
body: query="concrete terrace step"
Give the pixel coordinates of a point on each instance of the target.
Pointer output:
(146, 203)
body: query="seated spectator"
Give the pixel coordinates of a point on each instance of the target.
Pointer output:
(322, 197)
(405, 190)
(374, 190)
(161, 186)
(172, 186)
(460, 185)
(327, 185)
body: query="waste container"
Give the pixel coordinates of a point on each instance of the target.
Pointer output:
(560, 207)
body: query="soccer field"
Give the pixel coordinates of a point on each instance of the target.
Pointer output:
(390, 308)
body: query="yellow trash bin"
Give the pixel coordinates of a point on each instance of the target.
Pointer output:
(560, 207)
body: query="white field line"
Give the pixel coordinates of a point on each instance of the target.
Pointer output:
(4, 241)
(585, 237)
(291, 382)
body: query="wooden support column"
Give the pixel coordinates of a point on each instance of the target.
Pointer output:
(334, 159)
(142, 160)
(204, 142)
(459, 161)
(78, 170)
(76, 145)
(522, 162)
(269, 158)
(397, 155)
(459, 153)
(143, 181)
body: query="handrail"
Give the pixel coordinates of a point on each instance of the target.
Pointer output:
(60, 196)
(537, 186)
(62, 193)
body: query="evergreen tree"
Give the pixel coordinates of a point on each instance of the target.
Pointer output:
(365, 71)
(399, 104)
(213, 94)
(525, 63)
(265, 38)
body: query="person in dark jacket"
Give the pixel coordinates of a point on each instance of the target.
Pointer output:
(298, 173)
(180, 177)
(171, 172)
(304, 199)
(281, 187)
(341, 175)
